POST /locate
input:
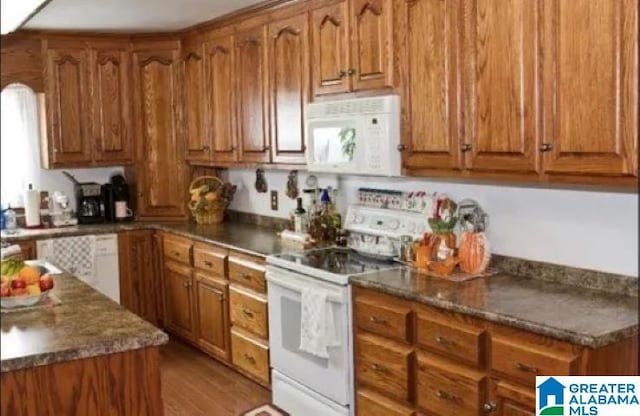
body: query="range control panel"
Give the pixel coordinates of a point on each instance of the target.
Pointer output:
(385, 222)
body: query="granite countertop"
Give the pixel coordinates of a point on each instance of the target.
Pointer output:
(86, 324)
(578, 315)
(248, 238)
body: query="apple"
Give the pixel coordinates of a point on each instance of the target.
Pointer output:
(46, 282)
(18, 283)
(5, 291)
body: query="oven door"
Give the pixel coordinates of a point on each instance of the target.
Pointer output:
(329, 377)
(332, 145)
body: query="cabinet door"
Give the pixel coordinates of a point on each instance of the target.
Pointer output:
(112, 122)
(289, 82)
(508, 399)
(67, 92)
(590, 87)
(28, 249)
(139, 283)
(220, 99)
(211, 311)
(198, 145)
(251, 95)
(500, 66)
(179, 311)
(330, 49)
(161, 174)
(430, 37)
(372, 44)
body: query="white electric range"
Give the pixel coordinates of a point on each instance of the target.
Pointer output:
(304, 384)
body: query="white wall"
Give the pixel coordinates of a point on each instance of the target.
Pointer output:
(592, 230)
(54, 180)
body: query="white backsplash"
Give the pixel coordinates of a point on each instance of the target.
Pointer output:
(54, 180)
(592, 230)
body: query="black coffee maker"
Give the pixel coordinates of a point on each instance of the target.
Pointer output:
(88, 201)
(117, 190)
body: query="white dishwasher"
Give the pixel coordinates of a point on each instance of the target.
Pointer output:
(91, 258)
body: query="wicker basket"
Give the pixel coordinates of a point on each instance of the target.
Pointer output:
(203, 209)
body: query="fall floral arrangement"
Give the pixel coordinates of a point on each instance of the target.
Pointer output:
(209, 197)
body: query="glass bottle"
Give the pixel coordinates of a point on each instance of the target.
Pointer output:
(299, 218)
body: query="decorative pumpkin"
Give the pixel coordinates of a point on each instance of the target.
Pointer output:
(442, 246)
(474, 252)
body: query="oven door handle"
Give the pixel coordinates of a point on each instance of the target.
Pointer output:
(297, 286)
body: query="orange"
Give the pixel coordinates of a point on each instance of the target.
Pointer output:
(31, 275)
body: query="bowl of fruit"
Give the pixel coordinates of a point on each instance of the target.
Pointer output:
(23, 284)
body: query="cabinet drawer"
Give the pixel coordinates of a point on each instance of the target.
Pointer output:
(384, 365)
(210, 259)
(523, 361)
(446, 388)
(450, 336)
(250, 355)
(370, 403)
(248, 311)
(177, 249)
(247, 271)
(383, 315)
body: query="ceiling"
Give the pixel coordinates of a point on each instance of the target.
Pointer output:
(130, 15)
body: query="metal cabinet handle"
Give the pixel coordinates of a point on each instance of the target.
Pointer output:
(446, 396)
(376, 320)
(342, 74)
(351, 71)
(465, 147)
(208, 263)
(489, 407)
(379, 369)
(247, 313)
(250, 358)
(205, 147)
(246, 276)
(401, 148)
(526, 368)
(186, 283)
(444, 341)
(545, 147)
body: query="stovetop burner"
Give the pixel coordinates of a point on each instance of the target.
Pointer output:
(336, 260)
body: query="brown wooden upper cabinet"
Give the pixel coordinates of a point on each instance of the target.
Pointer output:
(68, 98)
(429, 55)
(544, 91)
(111, 91)
(499, 65)
(252, 95)
(372, 44)
(352, 46)
(160, 175)
(590, 87)
(198, 142)
(288, 57)
(220, 98)
(87, 88)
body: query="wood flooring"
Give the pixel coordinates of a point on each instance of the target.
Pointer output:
(194, 384)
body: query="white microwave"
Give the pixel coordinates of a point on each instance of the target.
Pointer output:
(359, 136)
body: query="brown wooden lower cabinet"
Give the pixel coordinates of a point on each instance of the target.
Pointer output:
(215, 299)
(140, 280)
(87, 387)
(452, 364)
(212, 314)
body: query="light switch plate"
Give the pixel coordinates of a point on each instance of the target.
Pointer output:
(274, 200)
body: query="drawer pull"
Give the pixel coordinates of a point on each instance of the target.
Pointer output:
(177, 253)
(208, 263)
(246, 276)
(247, 313)
(250, 358)
(377, 320)
(446, 396)
(379, 369)
(526, 368)
(445, 342)
(489, 407)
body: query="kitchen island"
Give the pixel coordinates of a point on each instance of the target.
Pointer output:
(84, 356)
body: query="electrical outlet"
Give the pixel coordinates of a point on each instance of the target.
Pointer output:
(274, 200)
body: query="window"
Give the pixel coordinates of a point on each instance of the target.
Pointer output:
(19, 137)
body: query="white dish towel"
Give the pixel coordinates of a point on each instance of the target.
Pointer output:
(317, 323)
